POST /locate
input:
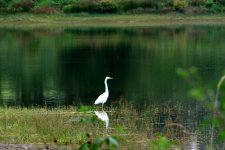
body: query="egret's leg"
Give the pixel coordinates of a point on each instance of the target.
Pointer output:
(102, 105)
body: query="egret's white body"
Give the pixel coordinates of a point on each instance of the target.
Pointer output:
(103, 116)
(104, 96)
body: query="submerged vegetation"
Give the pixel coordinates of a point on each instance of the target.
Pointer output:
(112, 6)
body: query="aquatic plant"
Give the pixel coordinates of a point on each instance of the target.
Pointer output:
(107, 142)
(215, 104)
(161, 143)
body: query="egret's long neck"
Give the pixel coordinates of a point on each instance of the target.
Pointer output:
(106, 86)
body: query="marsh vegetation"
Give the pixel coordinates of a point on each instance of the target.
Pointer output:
(131, 128)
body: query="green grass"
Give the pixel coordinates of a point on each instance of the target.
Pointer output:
(107, 20)
(38, 125)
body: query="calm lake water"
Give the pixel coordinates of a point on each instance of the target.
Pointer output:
(67, 66)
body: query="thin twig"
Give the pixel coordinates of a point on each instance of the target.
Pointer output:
(179, 125)
(216, 105)
(218, 91)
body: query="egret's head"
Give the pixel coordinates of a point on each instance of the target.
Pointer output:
(108, 78)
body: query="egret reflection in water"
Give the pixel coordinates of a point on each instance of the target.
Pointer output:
(192, 143)
(102, 115)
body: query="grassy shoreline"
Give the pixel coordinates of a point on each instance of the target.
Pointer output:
(59, 127)
(108, 20)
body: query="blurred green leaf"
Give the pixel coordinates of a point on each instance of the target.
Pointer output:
(99, 140)
(197, 93)
(221, 136)
(84, 108)
(113, 141)
(84, 147)
(182, 73)
(94, 146)
(108, 141)
(161, 143)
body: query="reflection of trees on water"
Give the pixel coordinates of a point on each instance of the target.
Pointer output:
(67, 66)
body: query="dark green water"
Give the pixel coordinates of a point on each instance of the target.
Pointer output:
(64, 66)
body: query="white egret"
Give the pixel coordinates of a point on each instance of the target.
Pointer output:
(104, 96)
